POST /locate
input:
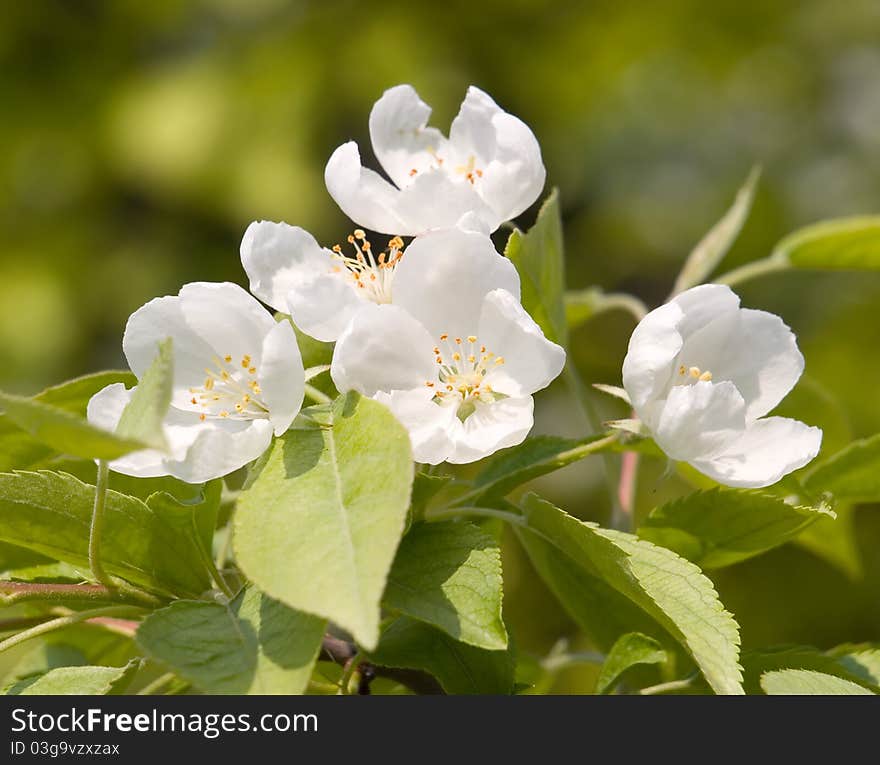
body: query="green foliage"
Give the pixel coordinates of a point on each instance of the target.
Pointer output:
(141, 420)
(318, 526)
(539, 259)
(630, 650)
(853, 474)
(64, 432)
(670, 589)
(252, 645)
(712, 248)
(155, 545)
(461, 669)
(534, 457)
(841, 244)
(448, 575)
(76, 681)
(807, 682)
(855, 667)
(720, 527)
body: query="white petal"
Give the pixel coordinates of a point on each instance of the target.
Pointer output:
(154, 322)
(323, 307)
(531, 361)
(652, 355)
(281, 376)
(362, 194)
(221, 447)
(653, 348)
(198, 451)
(383, 349)
(427, 423)
(702, 304)
(444, 277)
(762, 360)
(698, 421)
(229, 319)
(402, 142)
(437, 200)
(505, 150)
(278, 258)
(768, 450)
(491, 427)
(104, 410)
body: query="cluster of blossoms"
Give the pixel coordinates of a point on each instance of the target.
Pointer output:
(434, 328)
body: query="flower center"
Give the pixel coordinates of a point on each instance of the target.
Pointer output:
(368, 272)
(463, 364)
(230, 391)
(691, 375)
(469, 170)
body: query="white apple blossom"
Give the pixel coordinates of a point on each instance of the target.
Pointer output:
(238, 377)
(456, 358)
(490, 167)
(322, 289)
(702, 373)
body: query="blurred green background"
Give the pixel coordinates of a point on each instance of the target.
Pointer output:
(138, 140)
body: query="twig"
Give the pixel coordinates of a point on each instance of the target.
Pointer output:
(16, 592)
(61, 622)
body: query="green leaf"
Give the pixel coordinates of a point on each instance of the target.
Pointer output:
(76, 681)
(839, 244)
(712, 248)
(157, 546)
(758, 663)
(538, 257)
(318, 526)
(672, 590)
(141, 420)
(449, 576)
(583, 305)
(460, 668)
(65, 432)
(863, 661)
(630, 649)
(425, 488)
(252, 645)
(724, 526)
(807, 682)
(534, 457)
(853, 474)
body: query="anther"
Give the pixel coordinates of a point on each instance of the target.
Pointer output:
(706, 376)
(694, 372)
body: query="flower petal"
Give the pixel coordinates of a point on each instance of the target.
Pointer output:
(362, 194)
(491, 427)
(659, 337)
(768, 450)
(278, 257)
(402, 142)
(282, 379)
(383, 349)
(221, 447)
(151, 324)
(530, 361)
(427, 423)
(323, 307)
(229, 319)
(512, 170)
(702, 304)
(444, 277)
(653, 347)
(198, 451)
(764, 361)
(698, 421)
